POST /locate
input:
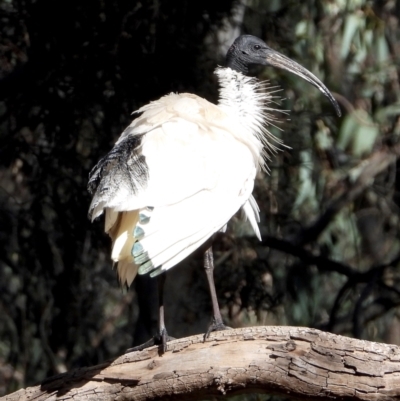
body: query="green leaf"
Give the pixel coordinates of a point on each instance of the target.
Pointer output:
(347, 132)
(358, 133)
(364, 139)
(381, 48)
(351, 26)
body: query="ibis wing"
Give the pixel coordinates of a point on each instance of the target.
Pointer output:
(175, 230)
(198, 174)
(121, 174)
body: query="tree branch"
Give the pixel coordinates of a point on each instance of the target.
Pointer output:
(296, 362)
(349, 189)
(324, 264)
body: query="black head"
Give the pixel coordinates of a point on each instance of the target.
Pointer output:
(245, 51)
(248, 50)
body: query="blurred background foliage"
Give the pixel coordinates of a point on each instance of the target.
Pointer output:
(70, 75)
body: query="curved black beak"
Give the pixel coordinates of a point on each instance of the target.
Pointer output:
(278, 60)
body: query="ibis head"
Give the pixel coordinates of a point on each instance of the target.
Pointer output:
(249, 50)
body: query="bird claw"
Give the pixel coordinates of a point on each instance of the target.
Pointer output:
(143, 346)
(215, 326)
(160, 339)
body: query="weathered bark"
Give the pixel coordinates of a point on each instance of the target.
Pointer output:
(297, 362)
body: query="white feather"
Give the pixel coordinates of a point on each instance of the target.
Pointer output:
(202, 160)
(251, 211)
(187, 224)
(110, 219)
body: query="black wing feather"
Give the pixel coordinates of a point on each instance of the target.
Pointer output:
(123, 165)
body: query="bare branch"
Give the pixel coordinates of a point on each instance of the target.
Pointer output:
(297, 362)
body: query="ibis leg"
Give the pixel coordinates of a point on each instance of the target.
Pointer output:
(217, 323)
(162, 331)
(162, 336)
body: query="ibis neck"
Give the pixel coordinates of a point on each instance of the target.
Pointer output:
(239, 94)
(246, 101)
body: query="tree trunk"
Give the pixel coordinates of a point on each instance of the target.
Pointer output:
(296, 362)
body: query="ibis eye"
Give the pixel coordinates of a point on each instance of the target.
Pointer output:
(257, 47)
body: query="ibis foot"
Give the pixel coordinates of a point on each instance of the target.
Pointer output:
(215, 326)
(159, 339)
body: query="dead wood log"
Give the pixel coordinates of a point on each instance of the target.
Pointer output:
(296, 362)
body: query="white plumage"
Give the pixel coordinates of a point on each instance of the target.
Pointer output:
(202, 160)
(185, 166)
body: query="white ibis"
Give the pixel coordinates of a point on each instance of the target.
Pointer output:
(185, 166)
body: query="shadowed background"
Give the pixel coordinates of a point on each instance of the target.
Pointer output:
(71, 74)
